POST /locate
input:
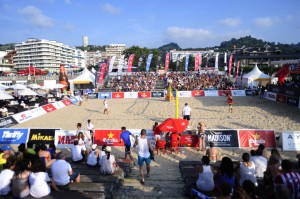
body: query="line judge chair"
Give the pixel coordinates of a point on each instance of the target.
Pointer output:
(160, 144)
(174, 146)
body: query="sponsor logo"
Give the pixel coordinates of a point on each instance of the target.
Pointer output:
(218, 138)
(110, 139)
(15, 135)
(62, 139)
(271, 96)
(256, 141)
(42, 137)
(6, 122)
(24, 117)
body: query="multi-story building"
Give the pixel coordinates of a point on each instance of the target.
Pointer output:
(180, 54)
(6, 60)
(93, 58)
(115, 50)
(45, 54)
(80, 58)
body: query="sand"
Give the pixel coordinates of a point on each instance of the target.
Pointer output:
(248, 113)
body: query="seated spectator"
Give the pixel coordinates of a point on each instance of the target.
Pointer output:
(39, 180)
(5, 152)
(212, 153)
(30, 148)
(102, 152)
(265, 153)
(46, 156)
(77, 152)
(22, 148)
(226, 191)
(261, 164)
(253, 154)
(289, 178)
(52, 150)
(62, 173)
(6, 175)
(249, 187)
(108, 163)
(4, 111)
(93, 157)
(20, 180)
(25, 106)
(247, 170)
(205, 181)
(240, 193)
(225, 174)
(273, 167)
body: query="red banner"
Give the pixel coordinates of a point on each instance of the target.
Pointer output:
(130, 61)
(198, 93)
(230, 65)
(252, 138)
(189, 140)
(144, 94)
(102, 71)
(281, 98)
(49, 108)
(224, 92)
(117, 95)
(67, 102)
(167, 62)
(197, 62)
(107, 137)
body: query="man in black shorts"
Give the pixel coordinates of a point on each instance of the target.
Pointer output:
(125, 136)
(187, 112)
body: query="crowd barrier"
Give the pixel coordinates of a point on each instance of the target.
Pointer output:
(285, 99)
(222, 138)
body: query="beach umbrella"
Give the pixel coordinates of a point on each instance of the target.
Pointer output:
(27, 92)
(5, 96)
(34, 86)
(18, 86)
(173, 125)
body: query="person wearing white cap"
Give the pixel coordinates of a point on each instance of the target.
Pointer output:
(92, 159)
(108, 163)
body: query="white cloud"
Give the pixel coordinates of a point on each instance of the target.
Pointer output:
(67, 1)
(68, 27)
(110, 8)
(237, 34)
(35, 17)
(265, 22)
(231, 22)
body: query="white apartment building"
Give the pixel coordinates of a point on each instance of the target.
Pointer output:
(115, 50)
(180, 54)
(93, 57)
(80, 58)
(46, 54)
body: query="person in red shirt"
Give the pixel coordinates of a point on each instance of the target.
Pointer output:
(157, 133)
(230, 102)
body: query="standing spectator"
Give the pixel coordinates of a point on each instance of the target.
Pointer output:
(247, 170)
(6, 175)
(105, 106)
(90, 128)
(201, 135)
(108, 163)
(212, 153)
(187, 112)
(62, 173)
(39, 180)
(290, 179)
(125, 136)
(156, 131)
(261, 164)
(144, 147)
(205, 180)
(79, 128)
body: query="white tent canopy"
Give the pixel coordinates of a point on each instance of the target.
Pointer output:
(254, 77)
(85, 78)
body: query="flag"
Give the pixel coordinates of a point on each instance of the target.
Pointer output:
(102, 70)
(167, 62)
(237, 70)
(111, 63)
(148, 62)
(200, 60)
(130, 61)
(225, 58)
(186, 62)
(197, 62)
(217, 62)
(230, 64)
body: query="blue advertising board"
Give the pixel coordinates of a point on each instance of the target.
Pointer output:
(102, 95)
(73, 100)
(13, 136)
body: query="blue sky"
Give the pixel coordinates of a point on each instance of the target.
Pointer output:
(151, 23)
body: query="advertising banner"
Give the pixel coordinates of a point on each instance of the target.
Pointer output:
(157, 94)
(66, 102)
(254, 137)
(45, 136)
(270, 96)
(293, 101)
(251, 92)
(291, 140)
(198, 93)
(64, 138)
(130, 94)
(222, 137)
(144, 94)
(28, 115)
(13, 136)
(130, 62)
(149, 135)
(7, 122)
(189, 140)
(167, 61)
(281, 98)
(224, 92)
(107, 137)
(148, 62)
(184, 94)
(117, 95)
(49, 108)
(93, 95)
(59, 105)
(238, 93)
(102, 95)
(73, 100)
(211, 93)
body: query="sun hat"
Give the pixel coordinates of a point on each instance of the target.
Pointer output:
(94, 146)
(108, 149)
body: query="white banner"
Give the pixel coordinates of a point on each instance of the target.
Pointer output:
(28, 115)
(111, 63)
(184, 93)
(238, 93)
(211, 93)
(291, 140)
(59, 105)
(149, 135)
(271, 96)
(64, 138)
(130, 94)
